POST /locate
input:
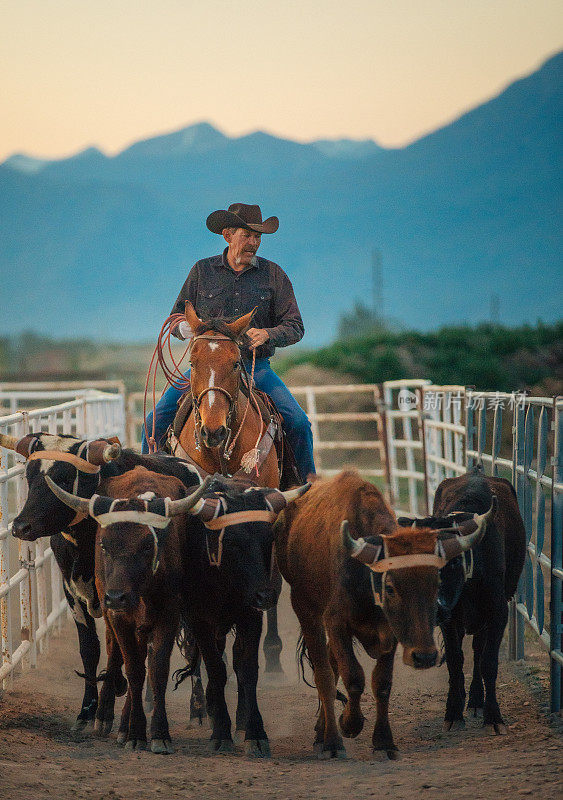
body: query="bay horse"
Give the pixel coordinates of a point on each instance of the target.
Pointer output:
(226, 426)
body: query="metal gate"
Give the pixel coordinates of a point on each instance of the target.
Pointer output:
(32, 601)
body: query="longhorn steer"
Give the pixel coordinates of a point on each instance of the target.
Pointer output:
(320, 551)
(473, 596)
(86, 467)
(140, 576)
(228, 571)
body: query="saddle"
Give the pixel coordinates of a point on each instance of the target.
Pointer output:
(273, 422)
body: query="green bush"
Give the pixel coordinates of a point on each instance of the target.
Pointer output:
(489, 357)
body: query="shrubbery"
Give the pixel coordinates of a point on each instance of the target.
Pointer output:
(486, 356)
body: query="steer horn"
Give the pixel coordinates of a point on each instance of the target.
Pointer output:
(71, 500)
(101, 452)
(279, 500)
(9, 442)
(455, 541)
(293, 494)
(22, 446)
(363, 551)
(190, 503)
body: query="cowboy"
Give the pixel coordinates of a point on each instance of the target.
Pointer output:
(230, 285)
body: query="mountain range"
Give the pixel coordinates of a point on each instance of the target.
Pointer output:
(99, 246)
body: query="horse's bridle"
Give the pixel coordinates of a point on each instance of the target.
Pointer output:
(231, 413)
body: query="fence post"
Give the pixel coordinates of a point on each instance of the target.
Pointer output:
(391, 451)
(469, 429)
(312, 414)
(556, 623)
(381, 407)
(497, 437)
(518, 483)
(422, 433)
(5, 610)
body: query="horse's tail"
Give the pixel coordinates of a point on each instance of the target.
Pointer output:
(187, 645)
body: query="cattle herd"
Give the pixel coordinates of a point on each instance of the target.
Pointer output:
(165, 556)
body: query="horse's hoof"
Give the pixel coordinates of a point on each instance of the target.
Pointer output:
(240, 733)
(496, 729)
(351, 726)
(257, 748)
(135, 745)
(327, 752)
(326, 755)
(453, 725)
(121, 738)
(79, 726)
(102, 727)
(384, 754)
(222, 746)
(161, 746)
(318, 748)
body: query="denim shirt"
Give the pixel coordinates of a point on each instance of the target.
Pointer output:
(215, 289)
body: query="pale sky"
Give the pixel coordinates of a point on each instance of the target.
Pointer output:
(76, 73)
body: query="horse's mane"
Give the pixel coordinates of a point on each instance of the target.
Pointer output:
(219, 325)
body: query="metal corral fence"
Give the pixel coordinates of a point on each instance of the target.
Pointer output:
(32, 601)
(409, 435)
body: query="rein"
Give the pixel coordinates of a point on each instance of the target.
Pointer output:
(231, 440)
(174, 377)
(197, 414)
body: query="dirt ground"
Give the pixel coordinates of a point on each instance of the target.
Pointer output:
(40, 759)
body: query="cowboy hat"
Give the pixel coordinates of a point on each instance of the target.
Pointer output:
(240, 215)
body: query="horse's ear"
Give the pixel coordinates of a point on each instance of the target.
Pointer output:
(191, 317)
(242, 324)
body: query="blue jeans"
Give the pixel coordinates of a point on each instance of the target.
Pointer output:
(296, 426)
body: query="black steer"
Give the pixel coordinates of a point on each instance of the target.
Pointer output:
(228, 570)
(475, 589)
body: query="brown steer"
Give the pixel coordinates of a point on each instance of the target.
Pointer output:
(378, 591)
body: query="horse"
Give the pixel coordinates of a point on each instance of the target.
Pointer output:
(226, 433)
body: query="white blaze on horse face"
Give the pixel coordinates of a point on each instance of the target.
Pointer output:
(213, 345)
(211, 395)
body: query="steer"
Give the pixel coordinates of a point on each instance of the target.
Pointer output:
(355, 574)
(475, 590)
(229, 584)
(140, 576)
(82, 467)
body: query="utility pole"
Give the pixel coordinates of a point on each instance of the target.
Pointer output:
(494, 309)
(377, 283)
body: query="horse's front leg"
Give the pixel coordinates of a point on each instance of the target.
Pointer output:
(272, 641)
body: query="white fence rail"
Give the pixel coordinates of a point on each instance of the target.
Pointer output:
(31, 594)
(407, 435)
